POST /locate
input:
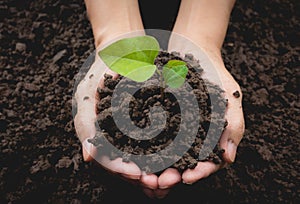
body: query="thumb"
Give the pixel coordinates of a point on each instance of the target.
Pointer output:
(232, 135)
(230, 148)
(84, 123)
(85, 118)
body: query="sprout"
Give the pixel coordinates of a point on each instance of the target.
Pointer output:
(134, 58)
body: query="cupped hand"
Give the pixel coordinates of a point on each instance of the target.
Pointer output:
(215, 71)
(85, 119)
(213, 66)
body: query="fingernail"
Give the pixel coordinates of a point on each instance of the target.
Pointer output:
(164, 187)
(231, 148)
(186, 183)
(87, 147)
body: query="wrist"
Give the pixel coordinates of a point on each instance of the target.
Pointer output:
(204, 22)
(186, 43)
(112, 18)
(207, 43)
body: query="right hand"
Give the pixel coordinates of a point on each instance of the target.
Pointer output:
(85, 119)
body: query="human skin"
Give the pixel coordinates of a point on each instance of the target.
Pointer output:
(204, 22)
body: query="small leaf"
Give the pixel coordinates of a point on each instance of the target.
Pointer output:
(174, 73)
(174, 63)
(132, 57)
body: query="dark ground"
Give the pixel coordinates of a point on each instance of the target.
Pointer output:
(44, 43)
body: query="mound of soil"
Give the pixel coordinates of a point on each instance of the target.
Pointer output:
(43, 44)
(140, 105)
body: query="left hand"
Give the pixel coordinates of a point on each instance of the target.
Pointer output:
(212, 63)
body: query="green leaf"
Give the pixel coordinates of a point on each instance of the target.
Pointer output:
(174, 73)
(132, 57)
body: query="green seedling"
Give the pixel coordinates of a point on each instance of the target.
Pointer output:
(134, 58)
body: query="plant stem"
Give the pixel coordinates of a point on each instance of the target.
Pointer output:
(162, 84)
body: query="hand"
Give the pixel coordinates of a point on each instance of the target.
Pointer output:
(215, 71)
(86, 116)
(205, 23)
(84, 124)
(233, 133)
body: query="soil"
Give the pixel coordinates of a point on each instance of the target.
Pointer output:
(140, 105)
(43, 43)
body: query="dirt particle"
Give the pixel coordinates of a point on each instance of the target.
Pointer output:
(64, 162)
(236, 94)
(261, 97)
(59, 56)
(31, 87)
(225, 123)
(41, 165)
(20, 47)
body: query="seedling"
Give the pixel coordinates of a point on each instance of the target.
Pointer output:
(134, 58)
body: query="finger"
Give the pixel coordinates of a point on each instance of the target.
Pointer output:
(85, 98)
(105, 161)
(88, 150)
(149, 180)
(168, 178)
(233, 132)
(128, 170)
(161, 193)
(84, 122)
(202, 170)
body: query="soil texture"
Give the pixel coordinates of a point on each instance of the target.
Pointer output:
(43, 45)
(140, 105)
